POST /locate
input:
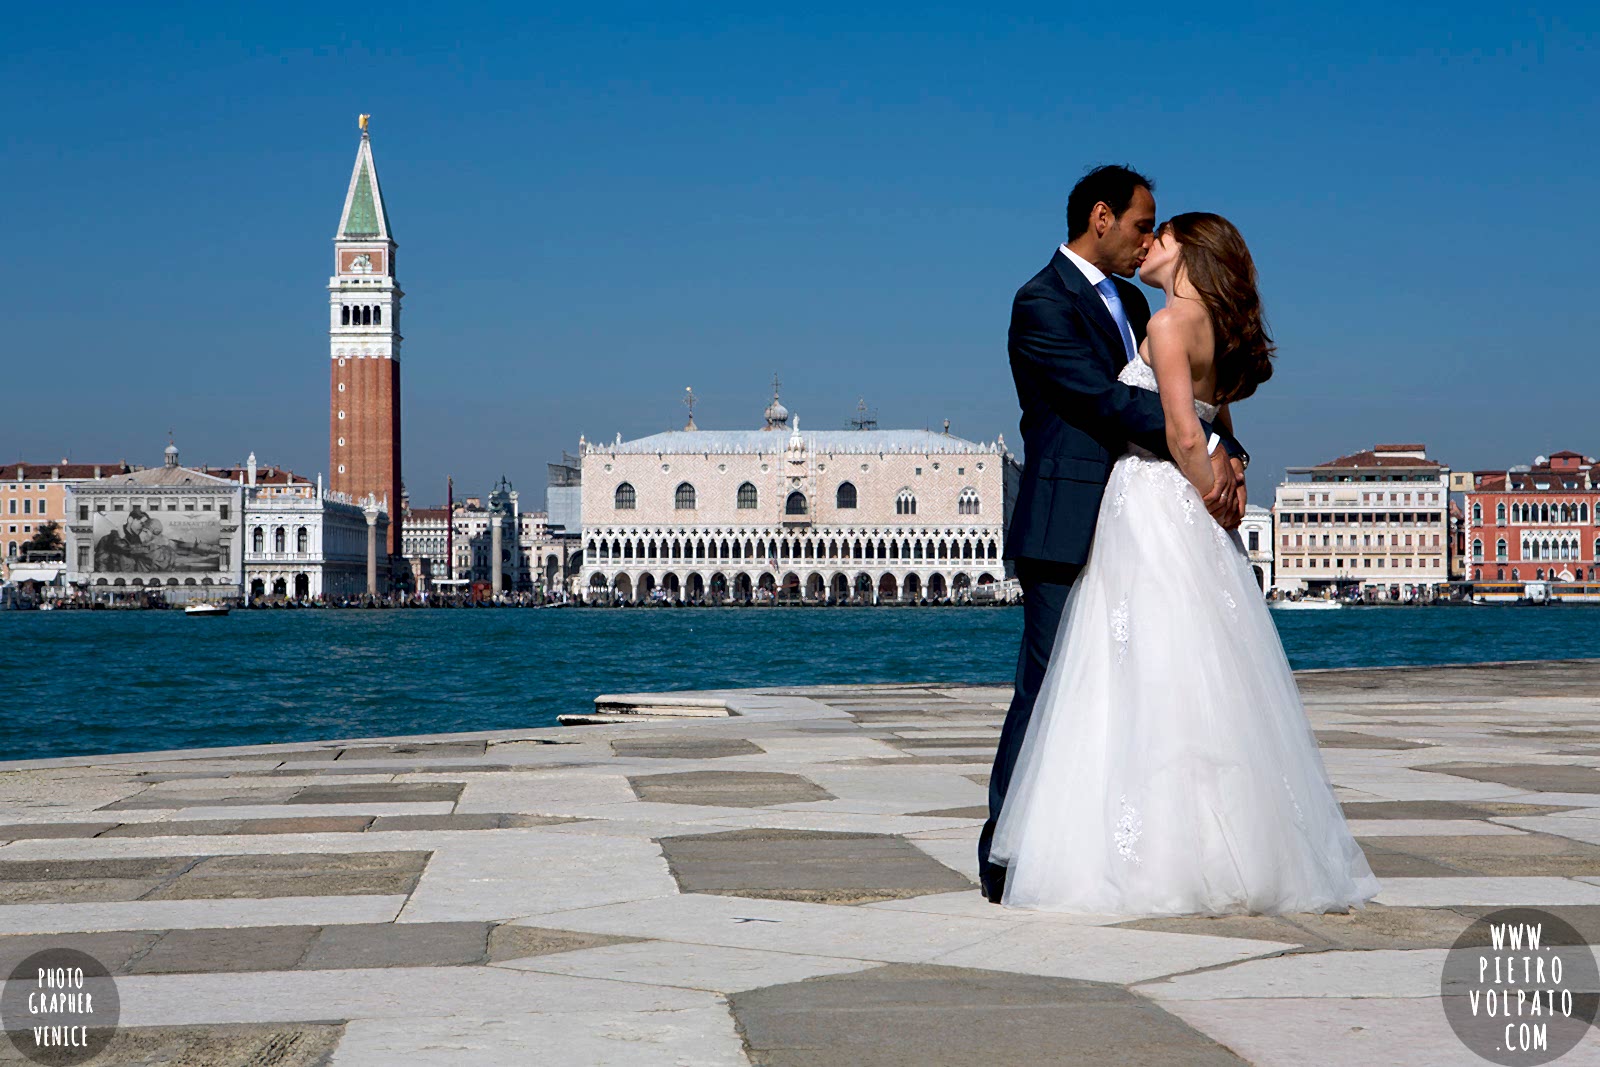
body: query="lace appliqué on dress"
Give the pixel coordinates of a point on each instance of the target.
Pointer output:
(1129, 827)
(1120, 630)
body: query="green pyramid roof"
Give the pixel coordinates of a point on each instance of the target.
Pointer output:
(362, 220)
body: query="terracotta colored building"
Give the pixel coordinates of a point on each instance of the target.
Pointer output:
(1536, 523)
(34, 495)
(364, 347)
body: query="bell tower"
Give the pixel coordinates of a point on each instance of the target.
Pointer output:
(364, 346)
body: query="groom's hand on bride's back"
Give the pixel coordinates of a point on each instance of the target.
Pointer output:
(1225, 501)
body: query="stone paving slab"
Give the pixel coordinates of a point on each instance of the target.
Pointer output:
(791, 884)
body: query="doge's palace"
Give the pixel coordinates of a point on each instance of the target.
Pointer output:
(833, 516)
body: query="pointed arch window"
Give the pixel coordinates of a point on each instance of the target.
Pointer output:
(967, 502)
(1477, 513)
(1500, 514)
(683, 499)
(845, 497)
(905, 503)
(1477, 550)
(747, 496)
(795, 504)
(626, 498)
(1500, 550)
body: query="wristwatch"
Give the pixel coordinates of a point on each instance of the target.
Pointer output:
(1244, 459)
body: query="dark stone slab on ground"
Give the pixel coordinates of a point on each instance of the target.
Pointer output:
(1502, 856)
(296, 875)
(914, 1015)
(77, 881)
(380, 793)
(226, 949)
(435, 749)
(1534, 777)
(218, 798)
(223, 1045)
(115, 949)
(684, 747)
(360, 945)
(1375, 926)
(810, 865)
(1444, 809)
(36, 831)
(1356, 739)
(511, 942)
(316, 824)
(491, 820)
(977, 811)
(736, 789)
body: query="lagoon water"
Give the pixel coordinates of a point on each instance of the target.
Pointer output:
(77, 682)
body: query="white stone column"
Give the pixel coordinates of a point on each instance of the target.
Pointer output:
(495, 536)
(372, 548)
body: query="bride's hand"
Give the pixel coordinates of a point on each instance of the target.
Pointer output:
(1223, 500)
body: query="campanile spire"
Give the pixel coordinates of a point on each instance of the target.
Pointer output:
(364, 346)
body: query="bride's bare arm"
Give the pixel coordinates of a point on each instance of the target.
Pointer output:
(1186, 439)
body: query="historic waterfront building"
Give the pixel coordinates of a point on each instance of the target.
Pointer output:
(533, 558)
(859, 516)
(169, 529)
(34, 495)
(1256, 532)
(364, 342)
(302, 541)
(1377, 520)
(1535, 523)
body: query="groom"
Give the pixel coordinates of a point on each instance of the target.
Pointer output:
(1074, 326)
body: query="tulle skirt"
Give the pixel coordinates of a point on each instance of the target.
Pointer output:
(1168, 768)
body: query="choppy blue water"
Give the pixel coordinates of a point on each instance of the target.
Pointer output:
(92, 682)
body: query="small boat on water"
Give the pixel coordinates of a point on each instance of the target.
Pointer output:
(206, 609)
(1306, 605)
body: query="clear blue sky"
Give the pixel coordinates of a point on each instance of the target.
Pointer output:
(599, 206)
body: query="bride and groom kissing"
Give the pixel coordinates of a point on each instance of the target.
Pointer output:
(1156, 759)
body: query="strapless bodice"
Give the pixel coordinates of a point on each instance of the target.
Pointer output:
(1141, 374)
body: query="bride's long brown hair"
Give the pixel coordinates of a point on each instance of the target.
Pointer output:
(1219, 266)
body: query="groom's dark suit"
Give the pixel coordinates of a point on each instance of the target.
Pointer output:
(1077, 418)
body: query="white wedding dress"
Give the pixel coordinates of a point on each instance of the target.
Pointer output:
(1168, 768)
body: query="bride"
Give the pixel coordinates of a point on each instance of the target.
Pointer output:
(1168, 768)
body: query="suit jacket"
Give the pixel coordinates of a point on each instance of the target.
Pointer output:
(1077, 419)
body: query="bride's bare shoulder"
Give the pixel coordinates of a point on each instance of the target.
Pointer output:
(1185, 324)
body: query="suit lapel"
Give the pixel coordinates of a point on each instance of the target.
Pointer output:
(1088, 298)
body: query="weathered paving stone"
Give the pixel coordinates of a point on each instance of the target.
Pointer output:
(435, 749)
(1584, 918)
(79, 881)
(152, 798)
(981, 779)
(379, 793)
(1532, 777)
(1444, 809)
(442, 944)
(466, 821)
(320, 824)
(38, 831)
(1372, 927)
(227, 1045)
(977, 811)
(1389, 863)
(1354, 739)
(225, 949)
(113, 948)
(296, 875)
(1523, 855)
(684, 748)
(941, 742)
(509, 942)
(736, 789)
(807, 865)
(913, 1014)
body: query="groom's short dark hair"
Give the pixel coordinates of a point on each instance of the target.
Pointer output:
(1112, 185)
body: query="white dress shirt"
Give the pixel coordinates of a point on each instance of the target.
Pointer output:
(1091, 272)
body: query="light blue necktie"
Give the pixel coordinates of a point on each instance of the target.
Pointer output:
(1109, 289)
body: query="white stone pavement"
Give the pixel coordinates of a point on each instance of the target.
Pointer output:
(790, 884)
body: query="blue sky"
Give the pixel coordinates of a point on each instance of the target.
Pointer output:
(597, 208)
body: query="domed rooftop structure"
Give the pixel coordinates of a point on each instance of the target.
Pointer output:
(777, 415)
